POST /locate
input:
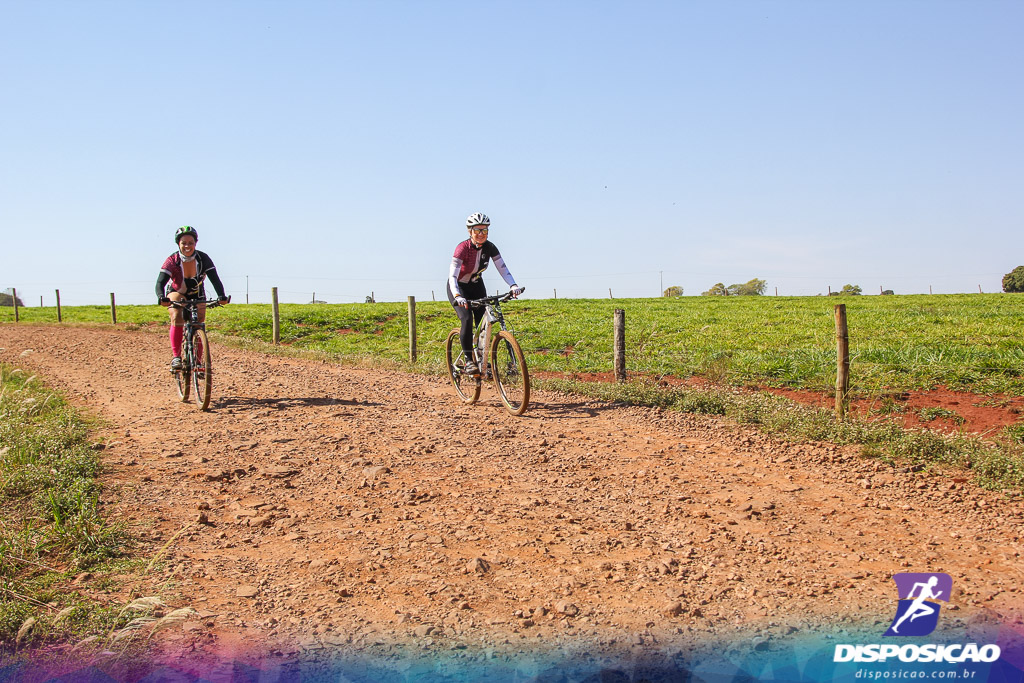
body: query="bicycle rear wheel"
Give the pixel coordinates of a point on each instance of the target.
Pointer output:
(510, 374)
(202, 373)
(467, 387)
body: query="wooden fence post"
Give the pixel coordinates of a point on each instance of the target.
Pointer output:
(113, 310)
(412, 329)
(57, 291)
(14, 296)
(277, 315)
(619, 325)
(610, 293)
(556, 294)
(842, 360)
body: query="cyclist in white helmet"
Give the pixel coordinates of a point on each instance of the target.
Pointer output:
(465, 283)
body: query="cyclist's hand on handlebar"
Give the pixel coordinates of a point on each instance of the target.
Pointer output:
(461, 301)
(517, 290)
(164, 301)
(224, 300)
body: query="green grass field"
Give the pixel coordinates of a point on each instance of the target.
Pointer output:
(51, 526)
(970, 342)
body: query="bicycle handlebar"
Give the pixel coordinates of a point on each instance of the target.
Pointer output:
(187, 303)
(496, 299)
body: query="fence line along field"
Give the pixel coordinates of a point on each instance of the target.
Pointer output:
(967, 342)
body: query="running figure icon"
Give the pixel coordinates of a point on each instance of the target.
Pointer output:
(918, 610)
(917, 607)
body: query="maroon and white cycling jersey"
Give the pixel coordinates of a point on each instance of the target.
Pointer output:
(470, 261)
(192, 287)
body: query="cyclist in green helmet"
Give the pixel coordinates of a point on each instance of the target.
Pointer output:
(182, 276)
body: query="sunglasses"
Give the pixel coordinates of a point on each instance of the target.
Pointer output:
(479, 231)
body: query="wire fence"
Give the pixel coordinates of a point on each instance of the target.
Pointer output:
(895, 343)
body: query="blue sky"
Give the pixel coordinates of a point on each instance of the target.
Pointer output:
(337, 147)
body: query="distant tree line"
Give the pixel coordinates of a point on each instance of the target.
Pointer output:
(849, 290)
(754, 287)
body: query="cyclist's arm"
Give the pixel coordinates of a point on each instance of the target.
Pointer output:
(499, 263)
(453, 276)
(161, 284)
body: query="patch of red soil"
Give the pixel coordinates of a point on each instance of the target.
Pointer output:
(955, 411)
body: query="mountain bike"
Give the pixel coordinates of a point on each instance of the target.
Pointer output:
(497, 355)
(196, 369)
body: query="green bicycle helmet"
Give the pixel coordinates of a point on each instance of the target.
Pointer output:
(185, 230)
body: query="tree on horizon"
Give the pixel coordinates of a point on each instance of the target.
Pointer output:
(754, 287)
(1014, 280)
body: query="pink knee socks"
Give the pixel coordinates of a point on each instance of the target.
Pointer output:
(177, 334)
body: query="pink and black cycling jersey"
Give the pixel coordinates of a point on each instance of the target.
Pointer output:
(192, 287)
(469, 262)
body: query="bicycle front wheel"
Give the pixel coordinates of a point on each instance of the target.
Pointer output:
(467, 387)
(183, 379)
(510, 374)
(202, 374)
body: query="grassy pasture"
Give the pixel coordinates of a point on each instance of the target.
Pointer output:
(970, 342)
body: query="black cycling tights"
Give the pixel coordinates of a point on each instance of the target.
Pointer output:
(468, 317)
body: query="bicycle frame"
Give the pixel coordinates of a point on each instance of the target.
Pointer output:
(497, 354)
(492, 314)
(195, 362)
(190, 312)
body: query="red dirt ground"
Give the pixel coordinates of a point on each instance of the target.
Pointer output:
(319, 506)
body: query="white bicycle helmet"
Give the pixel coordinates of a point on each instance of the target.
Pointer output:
(477, 219)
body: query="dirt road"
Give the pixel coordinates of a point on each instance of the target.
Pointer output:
(318, 505)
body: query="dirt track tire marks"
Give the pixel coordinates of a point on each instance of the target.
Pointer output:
(347, 506)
